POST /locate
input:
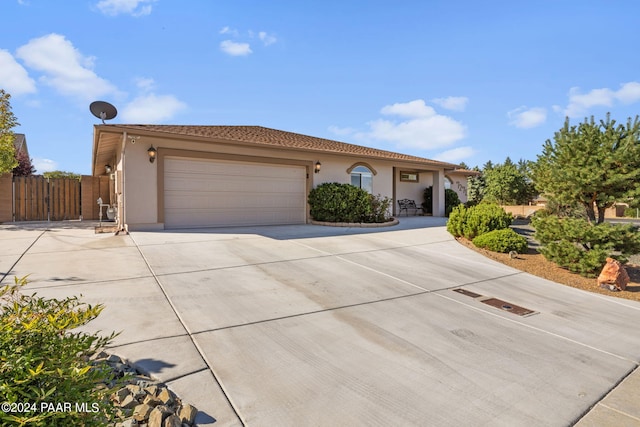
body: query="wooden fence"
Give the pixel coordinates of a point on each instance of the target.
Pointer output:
(37, 198)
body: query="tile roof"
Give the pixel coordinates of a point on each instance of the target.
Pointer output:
(258, 135)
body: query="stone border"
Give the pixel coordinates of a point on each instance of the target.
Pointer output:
(393, 221)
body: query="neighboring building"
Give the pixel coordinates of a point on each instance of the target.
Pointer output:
(212, 176)
(20, 143)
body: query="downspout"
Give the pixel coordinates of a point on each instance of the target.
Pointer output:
(122, 218)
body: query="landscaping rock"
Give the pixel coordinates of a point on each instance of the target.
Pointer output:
(158, 415)
(142, 412)
(140, 400)
(613, 276)
(187, 414)
(172, 421)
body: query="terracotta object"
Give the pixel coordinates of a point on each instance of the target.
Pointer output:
(613, 276)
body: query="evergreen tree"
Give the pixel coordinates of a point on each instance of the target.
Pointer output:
(7, 123)
(477, 187)
(594, 164)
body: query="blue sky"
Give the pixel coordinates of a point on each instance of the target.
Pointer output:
(451, 80)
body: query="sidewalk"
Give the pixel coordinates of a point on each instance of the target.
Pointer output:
(618, 408)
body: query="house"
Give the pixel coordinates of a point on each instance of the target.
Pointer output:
(168, 176)
(20, 143)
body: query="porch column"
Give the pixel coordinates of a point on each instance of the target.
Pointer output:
(438, 193)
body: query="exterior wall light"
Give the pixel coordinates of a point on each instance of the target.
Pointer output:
(107, 169)
(317, 168)
(152, 153)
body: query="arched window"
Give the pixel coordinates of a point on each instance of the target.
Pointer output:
(362, 177)
(447, 183)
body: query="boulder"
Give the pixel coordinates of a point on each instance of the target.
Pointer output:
(187, 413)
(158, 415)
(613, 276)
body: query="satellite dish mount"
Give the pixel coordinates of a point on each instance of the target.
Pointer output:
(103, 110)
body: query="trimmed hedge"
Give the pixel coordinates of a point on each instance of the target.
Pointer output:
(505, 240)
(476, 220)
(336, 202)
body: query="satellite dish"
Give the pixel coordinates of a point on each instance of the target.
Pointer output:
(103, 110)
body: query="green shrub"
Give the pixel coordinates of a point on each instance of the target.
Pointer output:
(335, 202)
(582, 247)
(451, 200)
(476, 220)
(42, 362)
(427, 197)
(505, 240)
(631, 212)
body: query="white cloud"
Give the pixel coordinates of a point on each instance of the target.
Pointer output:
(629, 93)
(454, 103)
(129, 7)
(525, 118)
(235, 49)
(13, 77)
(456, 155)
(145, 84)
(152, 108)
(425, 129)
(580, 103)
(267, 39)
(64, 67)
(415, 108)
(44, 165)
(341, 131)
(228, 30)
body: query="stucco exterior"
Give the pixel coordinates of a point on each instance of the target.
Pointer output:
(139, 183)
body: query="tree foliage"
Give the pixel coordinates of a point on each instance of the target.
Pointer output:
(44, 359)
(508, 183)
(594, 164)
(7, 122)
(581, 246)
(24, 168)
(477, 187)
(62, 174)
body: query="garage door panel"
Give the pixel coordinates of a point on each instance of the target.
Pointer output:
(200, 193)
(231, 184)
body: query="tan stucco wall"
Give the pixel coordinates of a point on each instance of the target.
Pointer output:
(141, 186)
(459, 185)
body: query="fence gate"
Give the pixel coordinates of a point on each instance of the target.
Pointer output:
(37, 198)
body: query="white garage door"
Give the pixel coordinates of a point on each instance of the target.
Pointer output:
(215, 193)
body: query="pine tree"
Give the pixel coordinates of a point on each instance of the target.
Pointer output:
(594, 164)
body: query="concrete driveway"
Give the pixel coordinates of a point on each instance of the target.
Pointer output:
(311, 325)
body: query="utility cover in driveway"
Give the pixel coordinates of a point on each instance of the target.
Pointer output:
(218, 193)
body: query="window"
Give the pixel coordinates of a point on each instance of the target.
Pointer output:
(409, 176)
(362, 177)
(447, 183)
